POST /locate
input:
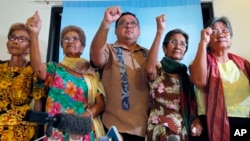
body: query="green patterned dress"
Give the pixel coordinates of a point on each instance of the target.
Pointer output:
(67, 94)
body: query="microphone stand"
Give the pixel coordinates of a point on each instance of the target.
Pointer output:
(48, 131)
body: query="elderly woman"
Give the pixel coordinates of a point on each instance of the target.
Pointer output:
(18, 87)
(173, 110)
(74, 85)
(222, 79)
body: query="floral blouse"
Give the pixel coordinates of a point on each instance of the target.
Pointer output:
(165, 120)
(18, 87)
(67, 94)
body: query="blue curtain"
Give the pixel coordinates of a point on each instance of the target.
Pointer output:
(184, 14)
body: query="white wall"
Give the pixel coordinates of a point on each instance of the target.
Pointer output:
(19, 10)
(237, 12)
(13, 11)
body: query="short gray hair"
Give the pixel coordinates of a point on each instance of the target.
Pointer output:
(223, 19)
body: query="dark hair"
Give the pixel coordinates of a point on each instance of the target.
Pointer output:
(223, 19)
(123, 14)
(17, 26)
(76, 29)
(173, 32)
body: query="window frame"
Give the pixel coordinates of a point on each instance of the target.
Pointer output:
(55, 27)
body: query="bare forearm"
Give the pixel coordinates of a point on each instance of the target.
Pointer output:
(198, 69)
(95, 109)
(38, 105)
(151, 61)
(97, 49)
(34, 52)
(35, 57)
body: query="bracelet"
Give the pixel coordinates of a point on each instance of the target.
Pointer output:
(91, 115)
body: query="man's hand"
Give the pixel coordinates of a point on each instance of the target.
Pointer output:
(112, 14)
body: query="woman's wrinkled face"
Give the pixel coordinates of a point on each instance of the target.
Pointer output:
(220, 38)
(176, 47)
(71, 44)
(18, 43)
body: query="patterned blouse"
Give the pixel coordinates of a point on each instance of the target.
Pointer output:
(67, 94)
(165, 120)
(18, 87)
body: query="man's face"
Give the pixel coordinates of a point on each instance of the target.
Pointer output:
(127, 29)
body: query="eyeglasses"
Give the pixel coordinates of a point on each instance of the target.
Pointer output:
(126, 23)
(20, 39)
(175, 43)
(217, 31)
(68, 39)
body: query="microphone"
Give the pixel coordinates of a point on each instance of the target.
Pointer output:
(73, 124)
(37, 117)
(69, 123)
(173, 138)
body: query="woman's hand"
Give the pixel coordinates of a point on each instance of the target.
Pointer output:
(205, 35)
(196, 127)
(161, 23)
(34, 24)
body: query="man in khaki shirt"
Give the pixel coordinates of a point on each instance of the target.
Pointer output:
(123, 74)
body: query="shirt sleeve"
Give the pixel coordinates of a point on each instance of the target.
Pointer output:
(38, 90)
